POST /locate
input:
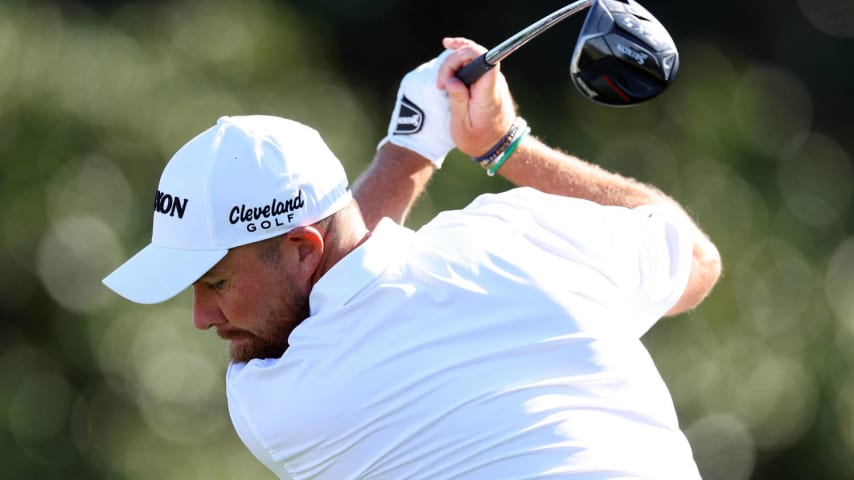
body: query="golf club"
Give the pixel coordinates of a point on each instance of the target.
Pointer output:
(623, 56)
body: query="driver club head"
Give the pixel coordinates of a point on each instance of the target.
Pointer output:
(624, 55)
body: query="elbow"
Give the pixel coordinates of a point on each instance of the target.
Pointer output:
(707, 262)
(709, 266)
(706, 269)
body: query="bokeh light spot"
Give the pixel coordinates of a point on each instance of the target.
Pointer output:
(641, 156)
(776, 289)
(193, 383)
(39, 407)
(844, 406)
(91, 186)
(694, 102)
(723, 447)
(724, 204)
(73, 258)
(216, 35)
(173, 373)
(833, 17)
(10, 50)
(839, 283)
(776, 398)
(767, 123)
(815, 180)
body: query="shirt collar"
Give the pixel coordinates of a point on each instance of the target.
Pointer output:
(358, 268)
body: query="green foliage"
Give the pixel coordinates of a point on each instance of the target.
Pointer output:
(93, 107)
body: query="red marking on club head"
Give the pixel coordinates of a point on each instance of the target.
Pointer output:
(621, 93)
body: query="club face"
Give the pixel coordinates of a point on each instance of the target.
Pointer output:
(624, 55)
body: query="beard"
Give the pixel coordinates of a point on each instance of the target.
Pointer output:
(272, 342)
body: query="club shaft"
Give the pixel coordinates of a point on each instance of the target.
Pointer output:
(474, 70)
(505, 48)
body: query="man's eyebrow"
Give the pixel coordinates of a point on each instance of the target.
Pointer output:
(213, 272)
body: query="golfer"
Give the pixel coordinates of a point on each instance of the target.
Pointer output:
(500, 341)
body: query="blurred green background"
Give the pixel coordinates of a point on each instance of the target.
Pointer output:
(755, 138)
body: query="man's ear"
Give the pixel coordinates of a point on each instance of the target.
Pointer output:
(306, 245)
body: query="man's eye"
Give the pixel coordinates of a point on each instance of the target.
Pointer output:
(219, 285)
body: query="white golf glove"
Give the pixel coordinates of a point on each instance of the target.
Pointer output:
(421, 120)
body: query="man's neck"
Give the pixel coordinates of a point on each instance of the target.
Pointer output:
(343, 235)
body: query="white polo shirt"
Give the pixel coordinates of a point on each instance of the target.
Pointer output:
(500, 341)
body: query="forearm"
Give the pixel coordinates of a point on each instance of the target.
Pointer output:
(391, 184)
(536, 165)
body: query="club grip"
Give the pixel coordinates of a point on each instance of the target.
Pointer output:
(474, 70)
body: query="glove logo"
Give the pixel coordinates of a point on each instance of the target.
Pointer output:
(410, 118)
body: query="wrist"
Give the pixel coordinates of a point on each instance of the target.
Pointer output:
(433, 153)
(493, 159)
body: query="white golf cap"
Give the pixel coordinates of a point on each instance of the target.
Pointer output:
(243, 180)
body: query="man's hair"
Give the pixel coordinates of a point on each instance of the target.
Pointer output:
(268, 250)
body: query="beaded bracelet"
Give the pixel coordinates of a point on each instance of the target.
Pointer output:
(497, 152)
(509, 151)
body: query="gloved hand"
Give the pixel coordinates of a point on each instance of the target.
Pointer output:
(422, 117)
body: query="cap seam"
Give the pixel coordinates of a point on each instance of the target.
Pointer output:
(214, 239)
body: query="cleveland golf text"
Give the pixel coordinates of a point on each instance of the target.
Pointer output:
(267, 214)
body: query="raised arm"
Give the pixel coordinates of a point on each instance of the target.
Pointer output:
(536, 165)
(417, 141)
(391, 184)
(483, 113)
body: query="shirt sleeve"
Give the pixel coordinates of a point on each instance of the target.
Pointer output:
(642, 256)
(664, 257)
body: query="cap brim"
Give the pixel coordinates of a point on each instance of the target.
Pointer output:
(156, 273)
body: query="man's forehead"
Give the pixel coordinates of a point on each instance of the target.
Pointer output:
(235, 257)
(220, 268)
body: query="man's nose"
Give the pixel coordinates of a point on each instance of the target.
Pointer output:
(205, 312)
